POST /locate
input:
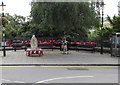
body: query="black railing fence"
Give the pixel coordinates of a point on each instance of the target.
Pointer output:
(55, 43)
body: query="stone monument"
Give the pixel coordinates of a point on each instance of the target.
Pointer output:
(34, 43)
(34, 50)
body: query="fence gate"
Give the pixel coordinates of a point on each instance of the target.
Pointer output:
(115, 44)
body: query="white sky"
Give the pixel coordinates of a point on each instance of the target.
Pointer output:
(111, 7)
(19, 7)
(22, 7)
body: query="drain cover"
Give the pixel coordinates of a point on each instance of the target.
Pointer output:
(77, 68)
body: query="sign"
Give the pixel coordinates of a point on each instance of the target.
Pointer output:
(3, 44)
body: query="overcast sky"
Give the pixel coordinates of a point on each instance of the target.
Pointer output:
(22, 7)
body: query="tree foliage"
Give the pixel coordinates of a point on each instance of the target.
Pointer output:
(14, 27)
(56, 20)
(71, 20)
(115, 23)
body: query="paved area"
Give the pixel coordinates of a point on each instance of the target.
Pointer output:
(56, 57)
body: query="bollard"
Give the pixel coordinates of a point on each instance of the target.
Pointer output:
(4, 51)
(15, 48)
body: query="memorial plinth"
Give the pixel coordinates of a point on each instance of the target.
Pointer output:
(34, 53)
(34, 50)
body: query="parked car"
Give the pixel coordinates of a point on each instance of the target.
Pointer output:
(0, 43)
(20, 43)
(87, 45)
(90, 43)
(75, 42)
(7, 43)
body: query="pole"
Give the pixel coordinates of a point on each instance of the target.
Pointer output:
(101, 52)
(3, 40)
(3, 34)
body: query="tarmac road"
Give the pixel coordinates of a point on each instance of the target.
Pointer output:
(19, 68)
(59, 74)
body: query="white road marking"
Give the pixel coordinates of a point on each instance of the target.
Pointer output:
(19, 82)
(13, 81)
(43, 81)
(5, 80)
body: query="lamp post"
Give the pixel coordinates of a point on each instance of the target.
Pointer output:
(3, 34)
(100, 6)
(102, 28)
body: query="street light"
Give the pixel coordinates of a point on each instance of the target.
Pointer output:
(102, 28)
(100, 6)
(3, 34)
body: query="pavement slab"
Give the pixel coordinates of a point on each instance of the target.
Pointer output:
(57, 57)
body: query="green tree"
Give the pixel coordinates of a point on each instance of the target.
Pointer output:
(14, 27)
(71, 20)
(115, 23)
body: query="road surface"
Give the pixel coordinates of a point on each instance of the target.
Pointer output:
(57, 74)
